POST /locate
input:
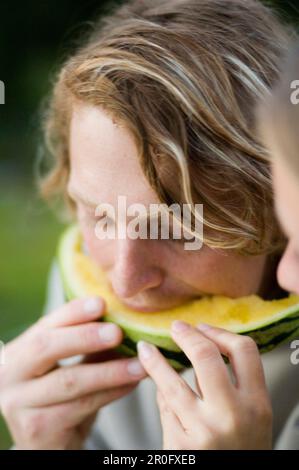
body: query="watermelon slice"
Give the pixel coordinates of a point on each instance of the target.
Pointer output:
(269, 323)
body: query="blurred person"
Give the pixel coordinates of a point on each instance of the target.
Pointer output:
(278, 118)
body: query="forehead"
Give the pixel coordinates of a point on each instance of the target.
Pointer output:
(104, 159)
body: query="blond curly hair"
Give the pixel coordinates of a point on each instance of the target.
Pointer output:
(184, 77)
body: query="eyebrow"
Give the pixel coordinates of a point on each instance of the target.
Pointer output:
(77, 196)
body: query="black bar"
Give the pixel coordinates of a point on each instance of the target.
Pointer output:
(137, 458)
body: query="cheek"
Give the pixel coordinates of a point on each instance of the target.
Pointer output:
(214, 272)
(101, 251)
(204, 270)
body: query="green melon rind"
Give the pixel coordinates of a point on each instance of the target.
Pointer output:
(175, 362)
(65, 263)
(272, 336)
(180, 361)
(267, 334)
(154, 336)
(263, 336)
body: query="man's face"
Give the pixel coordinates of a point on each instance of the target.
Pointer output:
(286, 188)
(145, 274)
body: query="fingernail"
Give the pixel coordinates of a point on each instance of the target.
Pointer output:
(135, 367)
(179, 326)
(108, 332)
(203, 326)
(92, 305)
(144, 349)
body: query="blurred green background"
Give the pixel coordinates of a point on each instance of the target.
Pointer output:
(35, 36)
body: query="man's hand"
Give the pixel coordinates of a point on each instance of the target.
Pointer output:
(51, 407)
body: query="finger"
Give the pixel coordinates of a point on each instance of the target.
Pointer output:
(179, 396)
(199, 392)
(71, 382)
(85, 426)
(76, 411)
(65, 416)
(243, 354)
(170, 422)
(210, 370)
(46, 346)
(173, 431)
(75, 312)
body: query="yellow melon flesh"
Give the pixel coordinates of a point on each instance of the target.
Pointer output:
(221, 311)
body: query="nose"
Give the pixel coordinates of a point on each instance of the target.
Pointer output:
(135, 269)
(288, 270)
